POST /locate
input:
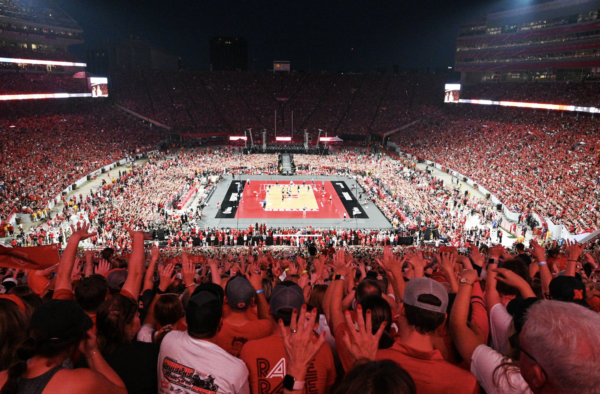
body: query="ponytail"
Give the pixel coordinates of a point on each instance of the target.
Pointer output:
(25, 351)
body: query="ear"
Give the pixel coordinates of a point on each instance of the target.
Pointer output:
(539, 377)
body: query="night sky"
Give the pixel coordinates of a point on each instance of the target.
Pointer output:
(315, 35)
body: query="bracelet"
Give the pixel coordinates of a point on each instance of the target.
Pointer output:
(287, 269)
(542, 263)
(259, 291)
(92, 354)
(305, 271)
(193, 284)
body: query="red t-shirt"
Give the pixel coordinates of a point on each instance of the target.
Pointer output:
(432, 375)
(232, 338)
(267, 365)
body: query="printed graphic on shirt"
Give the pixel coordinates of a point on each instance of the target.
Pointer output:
(236, 345)
(187, 378)
(270, 379)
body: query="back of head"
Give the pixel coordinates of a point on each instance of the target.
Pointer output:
(518, 267)
(317, 296)
(91, 292)
(204, 311)
(113, 319)
(286, 297)
(380, 312)
(564, 339)
(425, 305)
(377, 377)
(13, 331)
(55, 330)
(367, 287)
(240, 293)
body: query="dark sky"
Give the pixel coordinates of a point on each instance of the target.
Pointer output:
(320, 35)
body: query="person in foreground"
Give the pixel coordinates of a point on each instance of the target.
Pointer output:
(57, 330)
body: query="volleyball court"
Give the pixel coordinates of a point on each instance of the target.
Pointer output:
(290, 199)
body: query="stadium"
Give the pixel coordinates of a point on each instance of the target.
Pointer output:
(166, 229)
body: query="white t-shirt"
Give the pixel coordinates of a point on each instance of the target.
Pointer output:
(484, 362)
(500, 327)
(188, 365)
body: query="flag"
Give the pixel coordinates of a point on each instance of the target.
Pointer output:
(33, 258)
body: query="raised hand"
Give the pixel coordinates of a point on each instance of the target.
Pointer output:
(165, 274)
(362, 343)
(82, 233)
(299, 343)
(574, 250)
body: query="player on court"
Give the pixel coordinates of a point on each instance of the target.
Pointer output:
(330, 199)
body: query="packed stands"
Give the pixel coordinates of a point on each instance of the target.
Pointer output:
(48, 145)
(25, 83)
(352, 104)
(584, 94)
(530, 160)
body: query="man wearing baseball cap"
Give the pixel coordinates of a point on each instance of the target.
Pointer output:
(266, 358)
(423, 311)
(191, 361)
(241, 325)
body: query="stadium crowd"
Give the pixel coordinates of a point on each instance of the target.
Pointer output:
(45, 153)
(353, 104)
(374, 320)
(539, 161)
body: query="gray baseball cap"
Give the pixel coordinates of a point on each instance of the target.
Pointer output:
(239, 292)
(286, 295)
(420, 286)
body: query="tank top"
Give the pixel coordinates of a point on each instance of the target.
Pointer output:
(38, 384)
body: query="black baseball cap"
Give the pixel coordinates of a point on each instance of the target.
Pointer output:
(205, 309)
(568, 289)
(61, 320)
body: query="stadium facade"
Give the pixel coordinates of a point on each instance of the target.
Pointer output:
(36, 30)
(556, 41)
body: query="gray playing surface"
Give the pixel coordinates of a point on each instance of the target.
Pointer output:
(376, 219)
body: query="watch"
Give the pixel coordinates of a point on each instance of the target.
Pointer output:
(338, 277)
(290, 383)
(465, 280)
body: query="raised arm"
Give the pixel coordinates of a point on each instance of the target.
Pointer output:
(148, 278)
(65, 268)
(465, 339)
(539, 255)
(574, 250)
(135, 274)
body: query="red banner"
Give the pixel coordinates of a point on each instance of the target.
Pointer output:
(34, 258)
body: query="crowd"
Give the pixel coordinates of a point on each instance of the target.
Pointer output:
(145, 197)
(41, 83)
(547, 162)
(43, 154)
(353, 104)
(584, 94)
(245, 320)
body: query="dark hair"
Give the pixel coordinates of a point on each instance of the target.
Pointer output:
(520, 247)
(20, 291)
(317, 295)
(38, 344)
(518, 267)
(167, 310)
(380, 312)
(367, 287)
(112, 319)
(424, 321)
(91, 292)
(13, 331)
(107, 253)
(377, 377)
(31, 301)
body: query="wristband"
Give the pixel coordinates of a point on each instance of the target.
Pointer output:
(259, 291)
(305, 271)
(193, 284)
(542, 263)
(338, 277)
(287, 269)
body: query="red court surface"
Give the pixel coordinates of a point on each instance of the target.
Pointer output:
(251, 206)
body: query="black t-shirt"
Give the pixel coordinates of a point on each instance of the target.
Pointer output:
(135, 365)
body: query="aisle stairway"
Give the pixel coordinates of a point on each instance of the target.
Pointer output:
(286, 163)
